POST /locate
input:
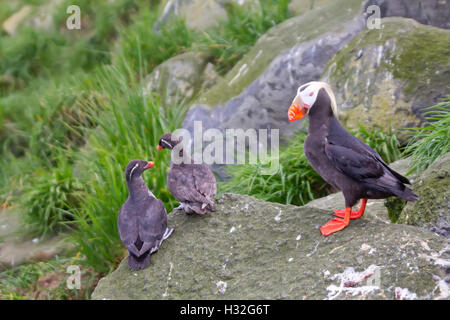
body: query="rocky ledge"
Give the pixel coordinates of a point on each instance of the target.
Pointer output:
(251, 249)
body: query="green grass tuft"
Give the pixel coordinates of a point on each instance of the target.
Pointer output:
(234, 37)
(297, 182)
(129, 127)
(432, 141)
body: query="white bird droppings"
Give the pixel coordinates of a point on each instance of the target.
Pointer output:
(222, 286)
(278, 217)
(233, 229)
(404, 294)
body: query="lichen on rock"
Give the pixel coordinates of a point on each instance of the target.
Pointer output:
(432, 211)
(387, 76)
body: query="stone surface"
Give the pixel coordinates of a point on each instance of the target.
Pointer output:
(432, 211)
(17, 248)
(282, 37)
(386, 77)
(198, 14)
(11, 24)
(432, 12)
(298, 7)
(180, 78)
(250, 249)
(376, 208)
(292, 53)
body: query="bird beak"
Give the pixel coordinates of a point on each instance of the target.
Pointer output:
(149, 165)
(297, 109)
(158, 147)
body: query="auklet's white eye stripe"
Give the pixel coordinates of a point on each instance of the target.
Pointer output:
(131, 173)
(166, 143)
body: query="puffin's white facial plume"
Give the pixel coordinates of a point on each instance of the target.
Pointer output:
(306, 97)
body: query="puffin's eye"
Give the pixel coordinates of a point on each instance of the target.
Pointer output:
(311, 94)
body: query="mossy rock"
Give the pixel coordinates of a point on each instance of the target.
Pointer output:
(432, 211)
(251, 249)
(180, 78)
(387, 76)
(284, 36)
(432, 12)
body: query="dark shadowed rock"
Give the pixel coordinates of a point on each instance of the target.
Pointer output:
(433, 12)
(251, 249)
(432, 211)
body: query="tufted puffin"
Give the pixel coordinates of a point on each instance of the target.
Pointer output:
(142, 219)
(342, 160)
(194, 185)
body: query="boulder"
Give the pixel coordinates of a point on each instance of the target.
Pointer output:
(17, 248)
(198, 14)
(388, 76)
(257, 92)
(180, 78)
(251, 249)
(433, 12)
(11, 24)
(432, 211)
(298, 7)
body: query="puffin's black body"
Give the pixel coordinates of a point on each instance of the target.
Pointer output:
(343, 160)
(142, 220)
(346, 162)
(193, 185)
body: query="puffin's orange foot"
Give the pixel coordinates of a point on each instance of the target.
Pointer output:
(353, 214)
(333, 226)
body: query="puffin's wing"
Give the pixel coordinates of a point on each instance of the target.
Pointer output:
(153, 222)
(358, 166)
(343, 138)
(205, 181)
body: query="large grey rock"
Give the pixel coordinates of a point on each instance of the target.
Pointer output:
(432, 12)
(198, 14)
(432, 211)
(251, 249)
(181, 77)
(16, 247)
(387, 76)
(288, 55)
(298, 7)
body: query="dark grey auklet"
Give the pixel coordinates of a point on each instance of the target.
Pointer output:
(341, 159)
(142, 219)
(193, 185)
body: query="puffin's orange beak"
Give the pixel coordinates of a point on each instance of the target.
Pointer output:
(158, 147)
(149, 165)
(296, 112)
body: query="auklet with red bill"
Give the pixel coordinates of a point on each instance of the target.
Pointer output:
(341, 159)
(142, 219)
(193, 185)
